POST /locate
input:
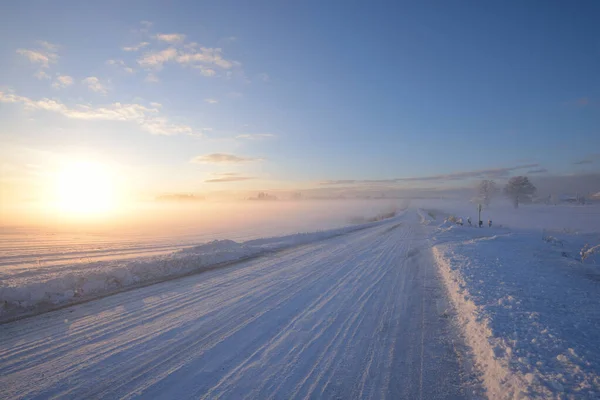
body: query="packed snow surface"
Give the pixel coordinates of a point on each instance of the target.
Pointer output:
(414, 306)
(360, 314)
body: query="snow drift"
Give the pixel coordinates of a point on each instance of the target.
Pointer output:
(39, 292)
(527, 303)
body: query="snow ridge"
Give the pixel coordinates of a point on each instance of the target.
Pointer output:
(527, 307)
(38, 293)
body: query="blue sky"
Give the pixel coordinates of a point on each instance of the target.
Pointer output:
(199, 96)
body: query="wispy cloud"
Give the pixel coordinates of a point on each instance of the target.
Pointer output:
(589, 159)
(204, 59)
(205, 70)
(161, 126)
(157, 59)
(170, 37)
(147, 118)
(211, 101)
(121, 64)
(48, 46)
(41, 74)
(582, 162)
(205, 55)
(136, 47)
(95, 85)
(229, 178)
(151, 78)
(537, 171)
(255, 136)
(222, 158)
(492, 173)
(62, 81)
(41, 57)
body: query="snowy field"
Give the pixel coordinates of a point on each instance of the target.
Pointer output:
(526, 295)
(42, 269)
(412, 306)
(355, 316)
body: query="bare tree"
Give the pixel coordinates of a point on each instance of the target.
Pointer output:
(519, 188)
(487, 190)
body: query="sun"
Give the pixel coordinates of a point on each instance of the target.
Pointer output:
(85, 188)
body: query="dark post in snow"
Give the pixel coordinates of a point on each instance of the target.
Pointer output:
(479, 219)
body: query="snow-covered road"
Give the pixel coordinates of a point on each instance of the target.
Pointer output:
(357, 316)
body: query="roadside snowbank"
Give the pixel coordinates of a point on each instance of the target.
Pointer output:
(528, 307)
(38, 292)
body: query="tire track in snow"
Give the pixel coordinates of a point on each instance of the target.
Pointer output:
(304, 323)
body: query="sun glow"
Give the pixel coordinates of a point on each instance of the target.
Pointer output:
(85, 189)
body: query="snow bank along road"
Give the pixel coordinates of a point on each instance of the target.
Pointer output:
(356, 316)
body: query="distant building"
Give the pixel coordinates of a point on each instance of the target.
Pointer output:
(572, 199)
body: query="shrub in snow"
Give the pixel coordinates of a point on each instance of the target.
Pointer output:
(590, 254)
(553, 241)
(454, 220)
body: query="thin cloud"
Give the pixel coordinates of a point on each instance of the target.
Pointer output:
(589, 159)
(48, 46)
(229, 179)
(170, 37)
(95, 85)
(222, 158)
(205, 55)
(479, 174)
(148, 119)
(41, 74)
(43, 58)
(136, 47)
(255, 136)
(157, 59)
(537, 171)
(120, 64)
(152, 78)
(339, 182)
(205, 70)
(205, 59)
(211, 101)
(62, 81)
(161, 126)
